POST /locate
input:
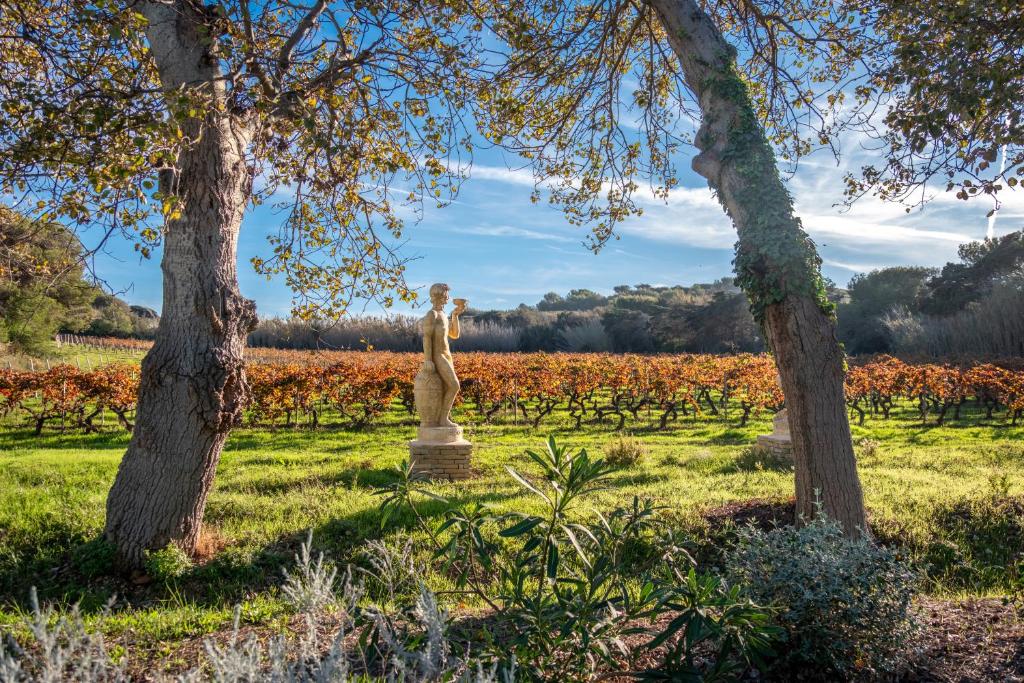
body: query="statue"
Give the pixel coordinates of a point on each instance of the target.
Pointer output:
(439, 449)
(436, 383)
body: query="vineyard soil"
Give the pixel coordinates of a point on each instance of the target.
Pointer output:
(272, 486)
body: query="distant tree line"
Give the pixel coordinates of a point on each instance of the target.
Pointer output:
(703, 318)
(43, 289)
(973, 307)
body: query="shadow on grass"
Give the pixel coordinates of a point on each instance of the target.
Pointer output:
(298, 455)
(629, 478)
(362, 474)
(732, 436)
(755, 459)
(967, 544)
(68, 566)
(300, 439)
(27, 439)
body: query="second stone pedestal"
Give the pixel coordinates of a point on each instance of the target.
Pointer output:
(778, 444)
(779, 448)
(441, 460)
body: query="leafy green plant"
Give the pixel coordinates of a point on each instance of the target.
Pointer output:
(170, 562)
(737, 631)
(846, 604)
(566, 595)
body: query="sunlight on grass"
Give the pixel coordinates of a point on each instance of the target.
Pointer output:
(272, 486)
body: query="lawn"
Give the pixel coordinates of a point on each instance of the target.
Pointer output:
(273, 486)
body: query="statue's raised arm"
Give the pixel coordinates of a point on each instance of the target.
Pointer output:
(453, 328)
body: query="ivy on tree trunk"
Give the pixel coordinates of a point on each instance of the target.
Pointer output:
(776, 264)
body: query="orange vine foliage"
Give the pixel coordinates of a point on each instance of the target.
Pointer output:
(355, 389)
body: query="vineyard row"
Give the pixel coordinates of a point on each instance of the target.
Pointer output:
(359, 387)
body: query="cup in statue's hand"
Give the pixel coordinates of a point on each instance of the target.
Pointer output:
(460, 304)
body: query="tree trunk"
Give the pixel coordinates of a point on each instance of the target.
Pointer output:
(192, 389)
(776, 264)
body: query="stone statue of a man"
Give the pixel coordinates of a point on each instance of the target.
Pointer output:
(436, 384)
(439, 451)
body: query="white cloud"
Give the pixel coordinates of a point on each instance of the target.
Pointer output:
(511, 231)
(852, 232)
(517, 176)
(870, 232)
(852, 267)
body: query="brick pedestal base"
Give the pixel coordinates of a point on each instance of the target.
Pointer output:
(780, 449)
(441, 460)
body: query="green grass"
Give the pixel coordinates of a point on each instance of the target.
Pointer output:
(274, 485)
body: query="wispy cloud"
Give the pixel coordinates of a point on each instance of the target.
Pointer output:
(872, 232)
(510, 231)
(521, 176)
(852, 267)
(851, 232)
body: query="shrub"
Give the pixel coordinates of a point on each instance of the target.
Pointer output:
(867, 447)
(845, 604)
(670, 460)
(392, 573)
(411, 645)
(310, 587)
(167, 563)
(589, 337)
(624, 451)
(61, 648)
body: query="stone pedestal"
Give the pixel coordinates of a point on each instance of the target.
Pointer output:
(778, 444)
(439, 435)
(441, 460)
(437, 452)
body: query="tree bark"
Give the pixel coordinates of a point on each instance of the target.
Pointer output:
(777, 265)
(193, 388)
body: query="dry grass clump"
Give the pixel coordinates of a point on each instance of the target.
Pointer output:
(624, 451)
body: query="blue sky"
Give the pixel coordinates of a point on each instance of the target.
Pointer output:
(498, 249)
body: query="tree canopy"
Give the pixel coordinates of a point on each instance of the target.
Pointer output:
(349, 112)
(44, 288)
(874, 295)
(593, 95)
(949, 76)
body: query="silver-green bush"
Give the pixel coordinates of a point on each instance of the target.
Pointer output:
(309, 588)
(846, 604)
(61, 649)
(410, 644)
